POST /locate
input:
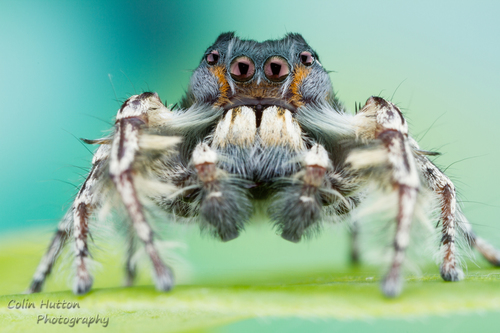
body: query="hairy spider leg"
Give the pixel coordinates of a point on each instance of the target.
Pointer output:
(131, 118)
(117, 161)
(452, 221)
(76, 224)
(381, 120)
(48, 260)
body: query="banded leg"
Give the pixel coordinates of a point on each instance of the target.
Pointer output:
(120, 155)
(86, 201)
(381, 120)
(224, 205)
(76, 222)
(298, 206)
(130, 120)
(439, 183)
(488, 251)
(47, 262)
(451, 218)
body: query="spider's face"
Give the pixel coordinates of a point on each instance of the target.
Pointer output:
(260, 86)
(285, 73)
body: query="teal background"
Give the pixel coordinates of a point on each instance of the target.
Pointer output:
(437, 60)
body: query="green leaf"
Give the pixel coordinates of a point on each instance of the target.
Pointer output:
(314, 293)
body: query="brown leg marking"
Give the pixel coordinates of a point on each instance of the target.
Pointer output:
(391, 284)
(83, 279)
(123, 153)
(382, 120)
(45, 266)
(449, 268)
(82, 208)
(439, 183)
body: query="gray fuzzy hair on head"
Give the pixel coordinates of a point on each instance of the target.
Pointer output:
(206, 88)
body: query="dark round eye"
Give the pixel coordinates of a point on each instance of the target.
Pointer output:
(306, 58)
(213, 57)
(242, 68)
(276, 69)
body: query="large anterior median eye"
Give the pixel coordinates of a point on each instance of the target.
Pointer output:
(213, 57)
(276, 69)
(306, 58)
(242, 68)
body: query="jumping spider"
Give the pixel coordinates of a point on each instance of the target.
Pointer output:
(260, 121)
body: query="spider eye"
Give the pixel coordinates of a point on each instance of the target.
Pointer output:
(242, 68)
(276, 69)
(306, 58)
(213, 57)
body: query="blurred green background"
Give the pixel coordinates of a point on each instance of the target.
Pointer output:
(437, 60)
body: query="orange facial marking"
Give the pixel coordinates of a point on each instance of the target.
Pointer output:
(299, 74)
(220, 73)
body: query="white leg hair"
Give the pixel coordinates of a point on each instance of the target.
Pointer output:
(47, 262)
(116, 155)
(382, 121)
(82, 208)
(297, 206)
(439, 183)
(75, 222)
(223, 201)
(452, 220)
(131, 118)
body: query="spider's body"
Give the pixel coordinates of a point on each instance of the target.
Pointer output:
(260, 122)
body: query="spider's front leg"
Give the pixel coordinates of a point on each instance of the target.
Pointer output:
(139, 112)
(76, 223)
(382, 121)
(122, 159)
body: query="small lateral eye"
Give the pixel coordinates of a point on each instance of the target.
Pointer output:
(306, 58)
(276, 69)
(213, 57)
(242, 68)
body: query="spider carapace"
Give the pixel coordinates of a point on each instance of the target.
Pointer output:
(260, 122)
